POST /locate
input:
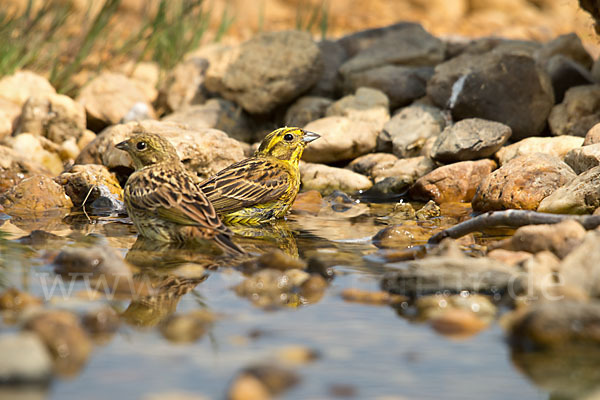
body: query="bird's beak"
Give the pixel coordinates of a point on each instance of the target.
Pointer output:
(310, 136)
(123, 145)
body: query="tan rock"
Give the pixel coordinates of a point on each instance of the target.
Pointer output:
(326, 179)
(21, 85)
(578, 112)
(369, 162)
(110, 96)
(578, 196)
(35, 194)
(401, 236)
(522, 183)
(367, 104)
(560, 239)
(558, 147)
(14, 167)
(81, 180)
(593, 135)
(39, 150)
(583, 158)
(451, 183)
(184, 85)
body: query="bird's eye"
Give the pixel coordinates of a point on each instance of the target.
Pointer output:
(288, 137)
(141, 145)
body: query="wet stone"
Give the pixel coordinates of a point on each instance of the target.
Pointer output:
(401, 236)
(310, 202)
(470, 139)
(273, 288)
(452, 183)
(449, 274)
(187, 328)
(354, 295)
(522, 183)
(82, 183)
(261, 382)
(64, 337)
(35, 194)
(428, 211)
(275, 259)
(25, 360)
(101, 323)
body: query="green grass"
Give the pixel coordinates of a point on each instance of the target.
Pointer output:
(38, 40)
(309, 16)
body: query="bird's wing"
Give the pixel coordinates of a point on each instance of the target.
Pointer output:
(174, 196)
(246, 183)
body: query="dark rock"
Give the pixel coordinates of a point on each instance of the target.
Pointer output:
(184, 85)
(306, 109)
(566, 73)
(333, 55)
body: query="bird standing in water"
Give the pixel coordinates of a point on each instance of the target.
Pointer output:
(263, 187)
(163, 198)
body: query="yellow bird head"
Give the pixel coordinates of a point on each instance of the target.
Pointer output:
(148, 149)
(286, 144)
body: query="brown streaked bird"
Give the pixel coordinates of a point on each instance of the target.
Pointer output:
(163, 198)
(263, 187)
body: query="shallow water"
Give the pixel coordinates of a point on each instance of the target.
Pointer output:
(365, 351)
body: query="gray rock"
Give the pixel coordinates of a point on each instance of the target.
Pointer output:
(581, 268)
(328, 179)
(358, 41)
(54, 116)
(522, 183)
(405, 169)
(333, 55)
(498, 86)
(218, 114)
(369, 162)
(553, 146)
(593, 135)
(370, 105)
(555, 324)
(568, 45)
(271, 69)
(25, 360)
(306, 109)
(411, 45)
(583, 158)
(470, 139)
(565, 74)
(401, 84)
(579, 111)
(407, 131)
(184, 85)
(449, 274)
(579, 196)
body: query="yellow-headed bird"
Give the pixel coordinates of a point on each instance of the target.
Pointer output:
(263, 187)
(164, 199)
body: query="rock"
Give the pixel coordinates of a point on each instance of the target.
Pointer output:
(24, 361)
(522, 183)
(556, 146)
(498, 86)
(35, 194)
(275, 259)
(327, 179)
(21, 85)
(458, 323)
(218, 114)
(428, 211)
(108, 98)
(406, 132)
(341, 139)
(184, 85)
(54, 116)
(578, 112)
(204, 152)
(404, 169)
(147, 72)
(578, 196)
(309, 202)
(39, 150)
(273, 288)
(447, 273)
(6, 123)
(101, 323)
(581, 267)
(410, 45)
(297, 355)
(568, 45)
(355, 295)
(358, 41)
(592, 136)
(269, 70)
(306, 109)
(469, 139)
(508, 256)
(554, 324)
(261, 382)
(431, 307)
(401, 236)
(367, 163)
(565, 74)
(64, 337)
(16, 301)
(583, 158)
(452, 183)
(369, 105)
(82, 183)
(14, 167)
(187, 328)
(560, 239)
(333, 55)
(401, 84)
